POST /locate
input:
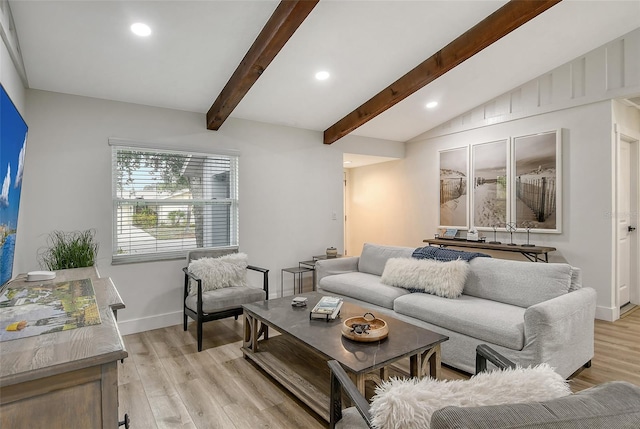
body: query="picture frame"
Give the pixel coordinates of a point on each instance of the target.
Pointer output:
(490, 185)
(537, 182)
(453, 167)
(14, 132)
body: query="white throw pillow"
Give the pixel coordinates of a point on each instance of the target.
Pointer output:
(217, 273)
(445, 279)
(409, 403)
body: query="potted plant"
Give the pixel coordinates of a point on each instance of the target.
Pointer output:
(74, 249)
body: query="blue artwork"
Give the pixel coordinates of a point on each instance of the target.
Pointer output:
(13, 140)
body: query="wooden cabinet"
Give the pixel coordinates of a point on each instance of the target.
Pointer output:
(67, 379)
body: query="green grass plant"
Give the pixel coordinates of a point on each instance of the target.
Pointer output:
(74, 249)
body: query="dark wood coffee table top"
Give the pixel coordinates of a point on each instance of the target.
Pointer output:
(326, 338)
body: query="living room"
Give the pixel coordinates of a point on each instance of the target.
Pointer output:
(292, 185)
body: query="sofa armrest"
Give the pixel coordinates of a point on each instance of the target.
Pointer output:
(340, 381)
(561, 330)
(330, 267)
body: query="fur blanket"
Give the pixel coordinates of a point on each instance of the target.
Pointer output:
(409, 403)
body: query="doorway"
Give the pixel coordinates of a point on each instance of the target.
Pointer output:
(626, 221)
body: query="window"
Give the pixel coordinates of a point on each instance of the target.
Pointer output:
(166, 203)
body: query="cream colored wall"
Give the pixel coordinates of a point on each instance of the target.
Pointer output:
(381, 206)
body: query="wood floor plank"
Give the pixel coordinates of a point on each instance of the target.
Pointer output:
(166, 383)
(203, 408)
(133, 401)
(221, 384)
(294, 414)
(256, 386)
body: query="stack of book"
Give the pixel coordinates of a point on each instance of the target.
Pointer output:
(327, 308)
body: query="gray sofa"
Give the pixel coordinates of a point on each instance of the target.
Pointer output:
(529, 312)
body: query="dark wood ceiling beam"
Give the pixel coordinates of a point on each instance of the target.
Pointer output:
(497, 25)
(284, 21)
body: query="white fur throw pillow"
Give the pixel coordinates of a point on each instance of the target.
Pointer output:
(217, 273)
(409, 403)
(445, 279)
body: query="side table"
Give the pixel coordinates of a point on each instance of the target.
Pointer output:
(312, 264)
(297, 272)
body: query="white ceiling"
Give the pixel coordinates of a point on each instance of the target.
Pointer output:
(86, 48)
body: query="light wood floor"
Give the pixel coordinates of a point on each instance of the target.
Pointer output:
(166, 383)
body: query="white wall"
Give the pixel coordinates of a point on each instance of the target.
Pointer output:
(9, 70)
(10, 79)
(290, 184)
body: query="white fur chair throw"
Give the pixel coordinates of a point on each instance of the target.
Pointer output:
(445, 279)
(409, 403)
(217, 273)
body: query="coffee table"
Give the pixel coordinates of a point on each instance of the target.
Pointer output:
(297, 358)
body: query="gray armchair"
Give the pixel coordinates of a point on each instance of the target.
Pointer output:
(219, 303)
(613, 405)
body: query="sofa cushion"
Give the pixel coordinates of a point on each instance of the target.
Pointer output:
(490, 321)
(515, 282)
(576, 279)
(445, 279)
(613, 405)
(217, 300)
(362, 286)
(374, 257)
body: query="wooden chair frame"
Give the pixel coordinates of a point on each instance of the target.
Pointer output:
(340, 382)
(200, 316)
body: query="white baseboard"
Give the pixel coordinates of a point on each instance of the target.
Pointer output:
(610, 314)
(134, 326)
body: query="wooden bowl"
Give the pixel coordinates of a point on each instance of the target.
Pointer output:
(378, 328)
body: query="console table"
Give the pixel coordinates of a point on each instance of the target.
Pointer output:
(66, 379)
(532, 253)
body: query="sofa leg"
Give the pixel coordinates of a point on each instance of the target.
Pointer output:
(588, 364)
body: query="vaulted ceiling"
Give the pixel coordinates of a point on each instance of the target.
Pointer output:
(86, 48)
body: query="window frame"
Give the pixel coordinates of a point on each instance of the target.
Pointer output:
(232, 201)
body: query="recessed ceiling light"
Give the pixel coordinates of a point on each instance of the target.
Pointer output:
(432, 104)
(140, 29)
(322, 75)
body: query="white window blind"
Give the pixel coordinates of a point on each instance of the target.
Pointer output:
(166, 203)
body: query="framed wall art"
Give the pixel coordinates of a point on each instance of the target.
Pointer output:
(13, 143)
(490, 184)
(454, 167)
(537, 182)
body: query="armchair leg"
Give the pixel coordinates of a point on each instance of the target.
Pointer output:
(184, 321)
(199, 335)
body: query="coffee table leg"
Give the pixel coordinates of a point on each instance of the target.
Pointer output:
(418, 363)
(250, 333)
(384, 373)
(360, 379)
